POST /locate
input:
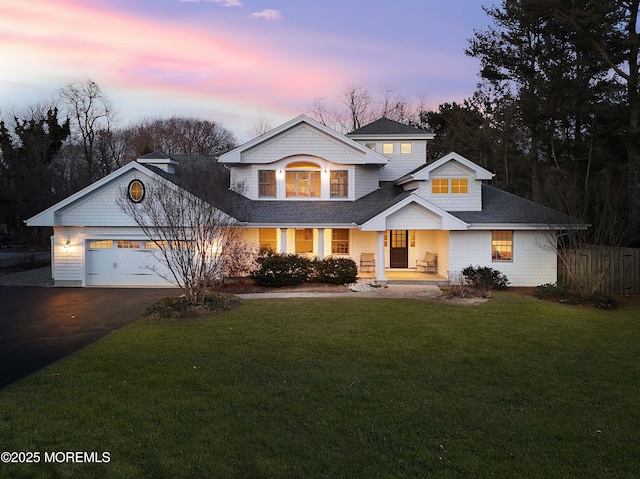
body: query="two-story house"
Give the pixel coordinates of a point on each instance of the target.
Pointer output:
(307, 189)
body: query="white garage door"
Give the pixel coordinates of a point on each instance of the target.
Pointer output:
(122, 263)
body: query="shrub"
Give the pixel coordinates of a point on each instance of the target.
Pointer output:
(457, 286)
(336, 270)
(553, 291)
(603, 301)
(282, 270)
(182, 308)
(484, 279)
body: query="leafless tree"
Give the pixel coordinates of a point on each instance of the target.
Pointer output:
(610, 229)
(261, 125)
(181, 135)
(192, 239)
(91, 113)
(358, 106)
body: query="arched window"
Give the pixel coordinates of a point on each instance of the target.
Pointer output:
(303, 180)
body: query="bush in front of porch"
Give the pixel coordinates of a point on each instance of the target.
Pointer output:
(277, 270)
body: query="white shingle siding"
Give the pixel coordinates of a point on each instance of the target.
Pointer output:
(362, 180)
(471, 201)
(302, 139)
(399, 164)
(413, 216)
(365, 181)
(99, 208)
(533, 264)
(68, 262)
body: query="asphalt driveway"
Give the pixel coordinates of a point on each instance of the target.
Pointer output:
(39, 326)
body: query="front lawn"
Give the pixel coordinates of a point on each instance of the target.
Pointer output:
(344, 388)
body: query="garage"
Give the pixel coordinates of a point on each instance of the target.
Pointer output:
(122, 263)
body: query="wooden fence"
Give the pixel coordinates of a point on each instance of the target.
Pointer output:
(609, 270)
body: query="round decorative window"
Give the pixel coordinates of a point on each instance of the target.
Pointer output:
(136, 191)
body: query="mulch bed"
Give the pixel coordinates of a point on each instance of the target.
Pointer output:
(245, 287)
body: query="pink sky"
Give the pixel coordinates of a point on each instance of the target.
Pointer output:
(232, 60)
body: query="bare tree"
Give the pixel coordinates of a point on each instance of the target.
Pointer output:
(358, 106)
(610, 229)
(91, 112)
(181, 135)
(261, 125)
(191, 237)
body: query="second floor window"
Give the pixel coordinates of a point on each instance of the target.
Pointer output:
(303, 180)
(439, 186)
(339, 184)
(267, 183)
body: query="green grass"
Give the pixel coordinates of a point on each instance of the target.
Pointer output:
(345, 388)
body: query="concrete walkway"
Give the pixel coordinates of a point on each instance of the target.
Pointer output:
(42, 277)
(405, 291)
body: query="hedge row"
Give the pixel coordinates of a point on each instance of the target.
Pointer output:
(290, 269)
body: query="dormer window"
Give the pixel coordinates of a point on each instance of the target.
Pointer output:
(459, 185)
(405, 148)
(440, 186)
(302, 180)
(387, 148)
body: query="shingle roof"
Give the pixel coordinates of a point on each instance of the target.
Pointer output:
(285, 212)
(499, 206)
(385, 126)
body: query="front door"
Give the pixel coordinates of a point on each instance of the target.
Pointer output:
(399, 249)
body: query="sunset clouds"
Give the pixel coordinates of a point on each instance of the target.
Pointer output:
(216, 58)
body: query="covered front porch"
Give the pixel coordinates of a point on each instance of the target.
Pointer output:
(394, 255)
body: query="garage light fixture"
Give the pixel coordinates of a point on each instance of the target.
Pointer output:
(67, 244)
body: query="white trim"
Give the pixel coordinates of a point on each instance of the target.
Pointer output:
(425, 173)
(48, 216)
(235, 156)
(449, 222)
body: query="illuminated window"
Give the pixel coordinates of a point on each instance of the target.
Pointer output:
(439, 185)
(405, 148)
(156, 245)
(103, 244)
(501, 245)
(268, 238)
(339, 184)
(267, 183)
(129, 244)
(459, 185)
(387, 148)
(304, 241)
(136, 191)
(303, 180)
(339, 241)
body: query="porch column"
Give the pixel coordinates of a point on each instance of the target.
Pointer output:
(283, 240)
(380, 276)
(320, 244)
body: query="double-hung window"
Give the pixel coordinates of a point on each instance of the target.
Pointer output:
(502, 245)
(267, 183)
(339, 241)
(339, 180)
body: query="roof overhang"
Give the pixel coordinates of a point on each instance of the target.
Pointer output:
(234, 157)
(425, 172)
(48, 216)
(449, 222)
